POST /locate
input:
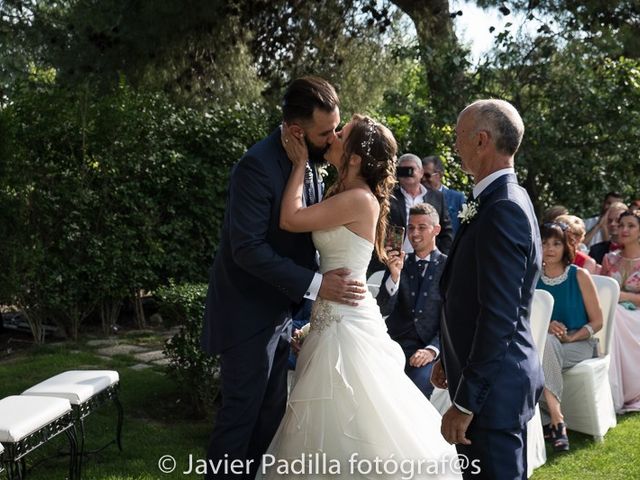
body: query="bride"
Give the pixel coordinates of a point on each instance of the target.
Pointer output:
(352, 412)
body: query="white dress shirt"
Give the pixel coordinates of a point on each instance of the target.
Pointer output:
(411, 201)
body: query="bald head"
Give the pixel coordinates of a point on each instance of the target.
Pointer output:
(501, 120)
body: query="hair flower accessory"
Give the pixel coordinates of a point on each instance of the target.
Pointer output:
(367, 142)
(469, 211)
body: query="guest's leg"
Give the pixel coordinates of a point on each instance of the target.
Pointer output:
(494, 454)
(244, 377)
(552, 361)
(421, 377)
(553, 407)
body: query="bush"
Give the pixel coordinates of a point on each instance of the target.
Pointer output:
(195, 371)
(108, 195)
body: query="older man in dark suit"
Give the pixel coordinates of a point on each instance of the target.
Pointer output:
(410, 192)
(491, 366)
(260, 274)
(410, 296)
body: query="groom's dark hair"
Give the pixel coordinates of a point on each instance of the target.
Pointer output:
(304, 95)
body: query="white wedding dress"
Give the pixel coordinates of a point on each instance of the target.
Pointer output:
(351, 406)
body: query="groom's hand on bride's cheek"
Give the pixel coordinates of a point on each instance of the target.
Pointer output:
(337, 287)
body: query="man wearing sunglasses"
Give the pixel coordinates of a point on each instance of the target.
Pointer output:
(432, 179)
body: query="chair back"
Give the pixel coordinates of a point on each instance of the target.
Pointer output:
(541, 309)
(374, 281)
(608, 295)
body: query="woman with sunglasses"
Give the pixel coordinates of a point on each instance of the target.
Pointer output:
(575, 318)
(624, 266)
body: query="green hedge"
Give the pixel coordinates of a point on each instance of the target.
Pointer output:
(105, 195)
(195, 371)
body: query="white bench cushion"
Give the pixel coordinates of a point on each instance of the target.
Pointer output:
(21, 415)
(77, 386)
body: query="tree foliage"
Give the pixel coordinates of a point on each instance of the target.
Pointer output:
(578, 105)
(111, 193)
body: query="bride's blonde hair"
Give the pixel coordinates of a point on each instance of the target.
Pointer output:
(377, 147)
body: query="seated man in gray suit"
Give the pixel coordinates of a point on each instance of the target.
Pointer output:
(410, 296)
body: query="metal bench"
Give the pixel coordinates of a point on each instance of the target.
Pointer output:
(28, 422)
(86, 390)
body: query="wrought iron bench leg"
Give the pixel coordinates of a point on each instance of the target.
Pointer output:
(74, 461)
(116, 401)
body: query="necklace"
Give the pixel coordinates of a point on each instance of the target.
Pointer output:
(551, 281)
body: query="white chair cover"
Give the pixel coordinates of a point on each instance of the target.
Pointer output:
(541, 309)
(373, 282)
(587, 403)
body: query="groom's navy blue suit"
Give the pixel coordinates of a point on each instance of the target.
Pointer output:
(259, 274)
(491, 365)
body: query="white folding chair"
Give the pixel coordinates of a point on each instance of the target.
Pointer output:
(374, 281)
(541, 309)
(440, 400)
(587, 404)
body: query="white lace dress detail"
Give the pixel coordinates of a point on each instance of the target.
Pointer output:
(322, 315)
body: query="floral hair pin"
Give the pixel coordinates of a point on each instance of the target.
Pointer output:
(368, 139)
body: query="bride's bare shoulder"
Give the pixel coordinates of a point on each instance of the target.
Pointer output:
(360, 195)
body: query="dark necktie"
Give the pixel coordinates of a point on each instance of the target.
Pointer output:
(420, 264)
(309, 187)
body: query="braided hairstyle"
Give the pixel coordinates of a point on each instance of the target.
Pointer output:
(377, 147)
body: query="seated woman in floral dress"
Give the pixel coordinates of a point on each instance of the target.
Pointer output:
(575, 318)
(624, 266)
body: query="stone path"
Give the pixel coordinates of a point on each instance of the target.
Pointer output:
(146, 356)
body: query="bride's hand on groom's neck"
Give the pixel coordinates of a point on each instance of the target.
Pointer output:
(337, 287)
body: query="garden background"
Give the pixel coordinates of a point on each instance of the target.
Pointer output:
(120, 121)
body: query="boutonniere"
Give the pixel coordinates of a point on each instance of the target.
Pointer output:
(469, 211)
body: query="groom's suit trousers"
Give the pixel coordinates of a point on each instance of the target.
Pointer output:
(494, 454)
(254, 396)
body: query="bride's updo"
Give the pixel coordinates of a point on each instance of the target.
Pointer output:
(377, 147)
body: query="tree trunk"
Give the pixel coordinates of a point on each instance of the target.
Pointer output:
(36, 324)
(141, 321)
(109, 313)
(443, 57)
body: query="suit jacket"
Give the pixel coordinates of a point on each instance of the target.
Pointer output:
(398, 215)
(488, 353)
(259, 270)
(454, 200)
(599, 250)
(423, 305)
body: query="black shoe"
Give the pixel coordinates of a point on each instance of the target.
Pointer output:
(559, 438)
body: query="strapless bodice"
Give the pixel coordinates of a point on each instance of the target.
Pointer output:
(341, 248)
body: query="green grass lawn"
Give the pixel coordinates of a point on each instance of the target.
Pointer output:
(615, 458)
(157, 423)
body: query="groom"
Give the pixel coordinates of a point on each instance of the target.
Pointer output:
(489, 362)
(259, 275)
